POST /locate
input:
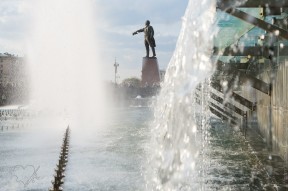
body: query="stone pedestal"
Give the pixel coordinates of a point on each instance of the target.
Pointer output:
(150, 72)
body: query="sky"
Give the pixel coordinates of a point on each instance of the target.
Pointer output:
(115, 21)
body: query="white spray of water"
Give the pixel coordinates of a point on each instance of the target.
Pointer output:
(177, 135)
(64, 61)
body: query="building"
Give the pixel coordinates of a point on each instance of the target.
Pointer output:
(13, 79)
(251, 57)
(162, 75)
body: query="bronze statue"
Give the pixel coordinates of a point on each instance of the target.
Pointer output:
(148, 38)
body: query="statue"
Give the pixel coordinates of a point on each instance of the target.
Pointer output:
(148, 38)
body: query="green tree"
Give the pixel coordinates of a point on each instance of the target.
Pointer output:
(131, 82)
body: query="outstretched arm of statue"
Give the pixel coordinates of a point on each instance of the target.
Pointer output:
(136, 32)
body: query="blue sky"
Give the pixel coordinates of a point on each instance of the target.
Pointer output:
(116, 20)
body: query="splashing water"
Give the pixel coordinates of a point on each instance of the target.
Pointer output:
(178, 135)
(64, 62)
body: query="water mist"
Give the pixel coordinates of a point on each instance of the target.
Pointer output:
(179, 133)
(64, 63)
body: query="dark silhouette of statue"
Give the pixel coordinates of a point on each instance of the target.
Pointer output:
(148, 38)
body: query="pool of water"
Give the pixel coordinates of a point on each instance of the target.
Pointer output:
(232, 165)
(113, 161)
(114, 157)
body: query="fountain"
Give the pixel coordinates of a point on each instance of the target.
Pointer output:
(66, 89)
(64, 62)
(179, 133)
(187, 148)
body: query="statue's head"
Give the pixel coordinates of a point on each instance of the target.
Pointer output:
(147, 23)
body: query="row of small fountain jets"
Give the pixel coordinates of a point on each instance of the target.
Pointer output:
(62, 163)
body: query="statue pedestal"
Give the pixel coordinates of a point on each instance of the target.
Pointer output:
(150, 72)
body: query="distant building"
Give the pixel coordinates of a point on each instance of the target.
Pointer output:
(162, 75)
(13, 79)
(12, 70)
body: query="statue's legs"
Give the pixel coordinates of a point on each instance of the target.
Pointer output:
(147, 48)
(153, 50)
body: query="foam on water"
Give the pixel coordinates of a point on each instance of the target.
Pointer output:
(178, 137)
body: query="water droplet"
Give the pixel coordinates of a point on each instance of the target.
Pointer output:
(224, 83)
(186, 139)
(194, 129)
(276, 32)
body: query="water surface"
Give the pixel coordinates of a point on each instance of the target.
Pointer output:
(114, 157)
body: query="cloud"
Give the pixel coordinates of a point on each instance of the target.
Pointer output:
(115, 21)
(14, 24)
(135, 10)
(124, 17)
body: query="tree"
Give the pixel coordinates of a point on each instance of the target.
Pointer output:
(131, 82)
